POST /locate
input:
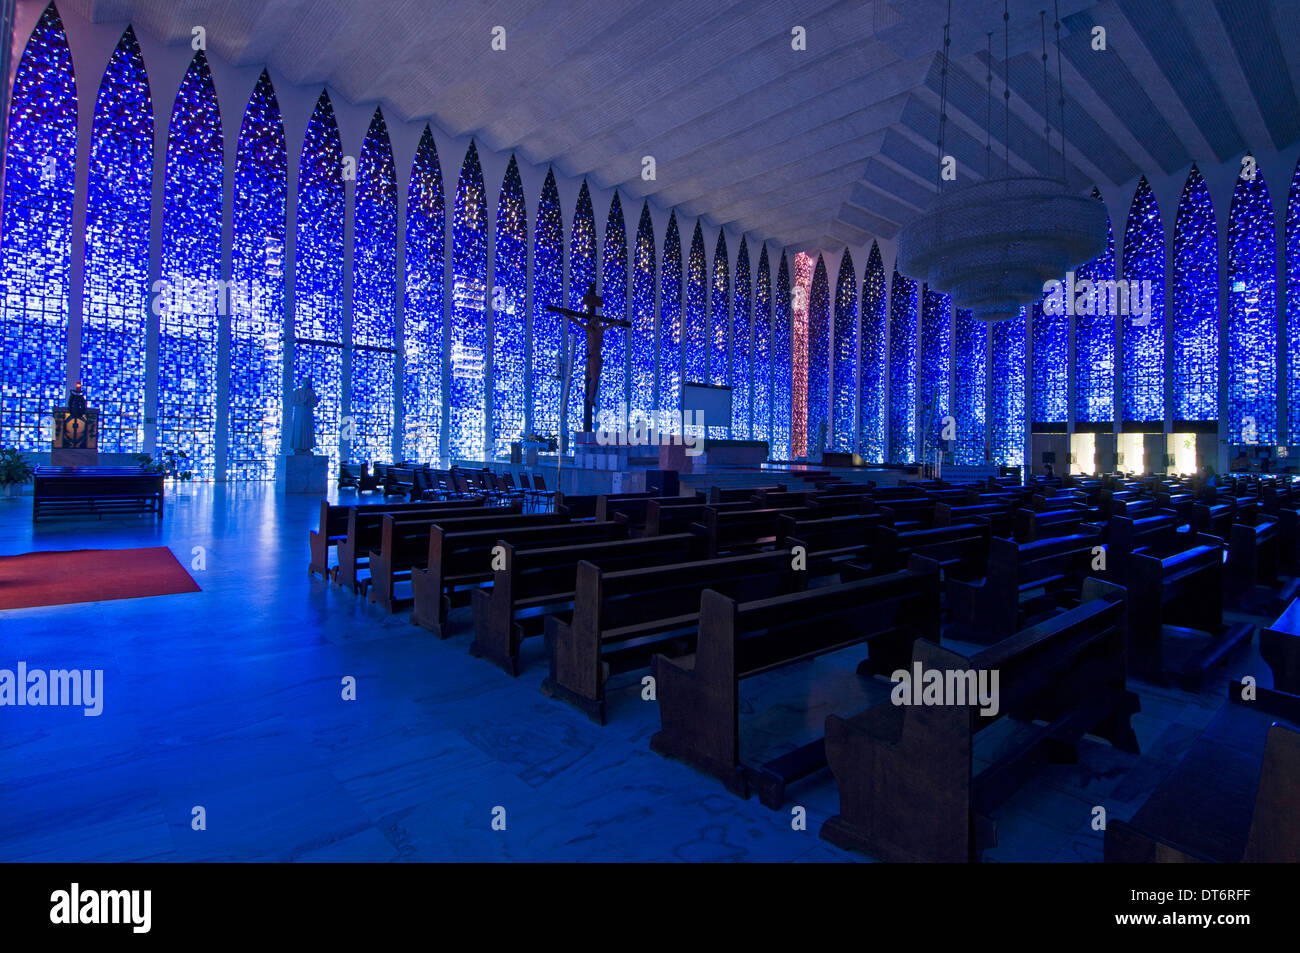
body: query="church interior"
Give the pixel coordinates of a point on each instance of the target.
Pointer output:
(650, 432)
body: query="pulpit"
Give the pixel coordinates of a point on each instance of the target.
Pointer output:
(76, 432)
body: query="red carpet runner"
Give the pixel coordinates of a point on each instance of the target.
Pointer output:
(90, 575)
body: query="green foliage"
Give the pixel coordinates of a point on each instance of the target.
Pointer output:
(170, 463)
(14, 468)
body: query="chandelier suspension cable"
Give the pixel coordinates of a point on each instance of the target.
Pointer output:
(1047, 99)
(988, 110)
(943, 94)
(1006, 88)
(1060, 86)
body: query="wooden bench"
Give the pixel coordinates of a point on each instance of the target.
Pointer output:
(536, 582)
(333, 527)
(1224, 802)
(666, 515)
(991, 608)
(365, 524)
(997, 514)
(906, 774)
(740, 494)
(95, 491)
(961, 550)
(1033, 525)
(404, 542)
(737, 530)
(621, 619)
(459, 561)
(1252, 557)
(400, 481)
(634, 508)
(832, 537)
(357, 476)
(699, 695)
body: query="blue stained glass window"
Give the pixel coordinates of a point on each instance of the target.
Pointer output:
(1196, 304)
(1293, 306)
(782, 369)
(763, 353)
(257, 310)
(934, 362)
(509, 313)
(1051, 403)
(819, 356)
(548, 328)
(1007, 392)
(641, 340)
(467, 340)
(192, 297)
(670, 321)
(969, 380)
(902, 370)
(582, 276)
(422, 320)
(374, 264)
(1144, 334)
(695, 342)
(318, 273)
(1094, 344)
(845, 364)
(871, 398)
(720, 325)
(115, 306)
(1252, 313)
(36, 235)
(741, 370)
(613, 292)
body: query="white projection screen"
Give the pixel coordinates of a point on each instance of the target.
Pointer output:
(712, 403)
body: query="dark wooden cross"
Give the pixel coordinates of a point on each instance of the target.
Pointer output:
(595, 325)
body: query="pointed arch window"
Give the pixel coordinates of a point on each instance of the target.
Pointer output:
(1144, 326)
(818, 373)
(582, 276)
(1007, 391)
(669, 398)
(509, 318)
(422, 314)
(548, 327)
(467, 340)
(1252, 313)
(741, 367)
(613, 292)
(934, 366)
(1094, 343)
(1196, 304)
(641, 340)
(845, 363)
(763, 355)
(969, 382)
(782, 362)
(872, 429)
(902, 369)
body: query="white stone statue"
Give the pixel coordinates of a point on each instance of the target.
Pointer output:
(302, 434)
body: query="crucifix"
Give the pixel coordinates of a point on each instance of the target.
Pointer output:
(595, 325)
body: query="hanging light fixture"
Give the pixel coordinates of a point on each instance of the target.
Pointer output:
(993, 244)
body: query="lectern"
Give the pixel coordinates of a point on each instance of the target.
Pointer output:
(76, 432)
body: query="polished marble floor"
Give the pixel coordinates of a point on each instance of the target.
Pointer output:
(231, 700)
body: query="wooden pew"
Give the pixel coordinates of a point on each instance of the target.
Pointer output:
(737, 530)
(1033, 525)
(666, 515)
(621, 619)
(97, 491)
(832, 537)
(400, 481)
(357, 476)
(962, 550)
(536, 582)
(1252, 557)
(363, 527)
(906, 774)
(1279, 644)
(699, 695)
(1223, 802)
(740, 494)
(587, 506)
(990, 608)
(634, 508)
(460, 560)
(404, 542)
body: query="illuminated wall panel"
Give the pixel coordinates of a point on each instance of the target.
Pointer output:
(871, 406)
(1007, 392)
(670, 321)
(1094, 344)
(36, 235)
(582, 276)
(1144, 335)
(763, 352)
(741, 369)
(1051, 402)
(1252, 313)
(934, 364)
(257, 307)
(803, 277)
(318, 273)
(695, 340)
(902, 370)
(969, 382)
(548, 328)
(782, 371)
(1195, 341)
(613, 289)
(720, 325)
(422, 315)
(1293, 306)
(641, 339)
(844, 371)
(115, 305)
(467, 340)
(818, 372)
(192, 304)
(509, 314)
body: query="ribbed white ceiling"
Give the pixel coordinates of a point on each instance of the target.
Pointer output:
(833, 145)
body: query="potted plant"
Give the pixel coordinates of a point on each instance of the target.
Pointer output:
(14, 470)
(172, 464)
